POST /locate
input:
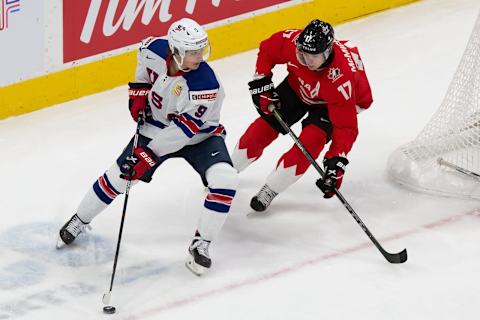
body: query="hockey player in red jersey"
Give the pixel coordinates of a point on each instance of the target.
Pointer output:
(326, 82)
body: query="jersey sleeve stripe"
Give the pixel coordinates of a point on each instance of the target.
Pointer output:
(189, 131)
(184, 128)
(155, 123)
(216, 130)
(189, 125)
(198, 122)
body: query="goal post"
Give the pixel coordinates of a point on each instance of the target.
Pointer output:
(452, 134)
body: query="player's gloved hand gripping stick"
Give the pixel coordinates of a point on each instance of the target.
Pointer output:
(391, 257)
(264, 94)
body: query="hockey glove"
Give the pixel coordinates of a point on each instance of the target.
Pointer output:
(334, 170)
(264, 94)
(138, 99)
(134, 167)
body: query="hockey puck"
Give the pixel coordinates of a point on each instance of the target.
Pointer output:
(109, 309)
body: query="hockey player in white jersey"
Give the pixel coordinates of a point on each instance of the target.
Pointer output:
(180, 97)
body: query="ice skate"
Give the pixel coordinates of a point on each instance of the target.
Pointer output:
(199, 259)
(262, 199)
(70, 231)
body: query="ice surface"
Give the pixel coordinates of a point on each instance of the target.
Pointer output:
(304, 259)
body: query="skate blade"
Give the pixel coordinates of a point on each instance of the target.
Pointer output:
(60, 244)
(196, 269)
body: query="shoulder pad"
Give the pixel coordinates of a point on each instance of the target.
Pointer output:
(202, 79)
(156, 45)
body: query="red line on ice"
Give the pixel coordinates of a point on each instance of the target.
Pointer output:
(261, 278)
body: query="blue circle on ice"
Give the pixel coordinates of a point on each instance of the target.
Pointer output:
(21, 274)
(39, 240)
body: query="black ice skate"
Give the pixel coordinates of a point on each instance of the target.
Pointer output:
(263, 198)
(69, 232)
(199, 259)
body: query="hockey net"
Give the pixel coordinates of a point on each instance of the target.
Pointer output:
(452, 134)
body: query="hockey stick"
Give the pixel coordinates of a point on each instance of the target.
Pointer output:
(450, 165)
(107, 296)
(391, 257)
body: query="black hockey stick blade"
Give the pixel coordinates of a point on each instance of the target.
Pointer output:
(400, 257)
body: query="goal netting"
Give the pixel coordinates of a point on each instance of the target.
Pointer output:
(452, 134)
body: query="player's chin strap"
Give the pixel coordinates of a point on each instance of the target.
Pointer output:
(391, 257)
(180, 63)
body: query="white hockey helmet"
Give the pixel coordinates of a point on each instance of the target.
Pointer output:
(187, 35)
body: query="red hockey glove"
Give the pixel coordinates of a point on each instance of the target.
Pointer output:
(138, 98)
(264, 94)
(334, 170)
(134, 167)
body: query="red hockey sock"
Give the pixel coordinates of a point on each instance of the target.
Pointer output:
(314, 139)
(256, 138)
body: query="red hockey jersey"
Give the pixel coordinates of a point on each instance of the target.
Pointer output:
(342, 86)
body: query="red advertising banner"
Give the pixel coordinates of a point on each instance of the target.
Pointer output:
(94, 26)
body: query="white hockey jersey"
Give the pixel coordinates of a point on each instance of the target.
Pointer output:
(185, 106)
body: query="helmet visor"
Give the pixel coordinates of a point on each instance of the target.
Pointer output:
(201, 54)
(311, 60)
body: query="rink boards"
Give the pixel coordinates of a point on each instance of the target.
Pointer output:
(79, 56)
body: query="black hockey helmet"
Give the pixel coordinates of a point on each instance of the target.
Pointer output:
(317, 37)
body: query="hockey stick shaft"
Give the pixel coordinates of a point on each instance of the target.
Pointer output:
(450, 165)
(107, 296)
(391, 257)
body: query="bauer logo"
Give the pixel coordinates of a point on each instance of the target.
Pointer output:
(7, 9)
(97, 26)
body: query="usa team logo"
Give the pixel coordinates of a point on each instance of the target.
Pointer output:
(177, 90)
(6, 9)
